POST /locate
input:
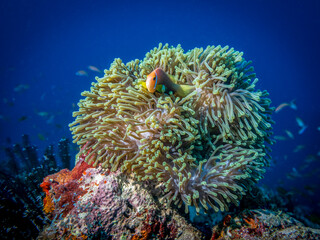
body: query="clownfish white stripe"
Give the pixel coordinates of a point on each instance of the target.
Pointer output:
(156, 80)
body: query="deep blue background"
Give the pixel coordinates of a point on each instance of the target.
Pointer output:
(44, 43)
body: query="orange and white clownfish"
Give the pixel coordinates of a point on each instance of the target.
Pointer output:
(160, 81)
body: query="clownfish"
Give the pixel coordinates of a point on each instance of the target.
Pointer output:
(160, 81)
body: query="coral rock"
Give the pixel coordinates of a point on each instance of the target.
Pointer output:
(62, 190)
(263, 224)
(113, 207)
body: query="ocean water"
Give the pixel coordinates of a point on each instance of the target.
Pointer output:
(45, 43)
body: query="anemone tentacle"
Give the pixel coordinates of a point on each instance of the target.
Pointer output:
(207, 148)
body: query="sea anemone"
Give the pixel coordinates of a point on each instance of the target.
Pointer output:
(207, 148)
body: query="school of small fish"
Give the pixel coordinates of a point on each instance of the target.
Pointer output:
(83, 73)
(310, 166)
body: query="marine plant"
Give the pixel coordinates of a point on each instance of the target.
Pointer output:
(207, 148)
(21, 205)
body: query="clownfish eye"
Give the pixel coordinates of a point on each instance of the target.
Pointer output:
(154, 78)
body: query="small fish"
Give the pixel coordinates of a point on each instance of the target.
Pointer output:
(21, 87)
(50, 119)
(294, 174)
(298, 148)
(307, 161)
(290, 135)
(318, 128)
(43, 114)
(94, 69)
(280, 138)
(302, 130)
(41, 137)
(42, 96)
(82, 73)
(291, 104)
(301, 124)
(9, 102)
(310, 158)
(282, 105)
(23, 118)
(160, 77)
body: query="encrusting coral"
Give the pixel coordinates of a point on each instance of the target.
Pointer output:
(207, 147)
(97, 204)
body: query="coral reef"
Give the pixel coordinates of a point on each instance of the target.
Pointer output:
(108, 206)
(262, 224)
(20, 196)
(207, 148)
(65, 190)
(281, 200)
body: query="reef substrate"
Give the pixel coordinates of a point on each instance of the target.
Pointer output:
(93, 203)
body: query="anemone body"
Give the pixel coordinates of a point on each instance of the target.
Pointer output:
(207, 148)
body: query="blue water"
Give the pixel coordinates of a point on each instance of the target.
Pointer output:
(44, 43)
